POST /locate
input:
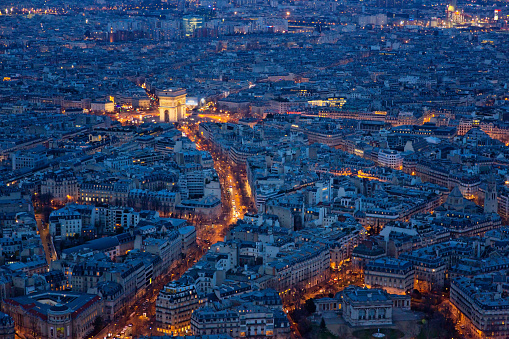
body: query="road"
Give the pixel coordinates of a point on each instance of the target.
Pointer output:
(43, 229)
(235, 199)
(141, 312)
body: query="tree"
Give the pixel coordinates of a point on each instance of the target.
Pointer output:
(98, 324)
(298, 293)
(299, 317)
(131, 202)
(34, 328)
(304, 326)
(165, 210)
(416, 294)
(310, 306)
(45, 199)
(46, 211)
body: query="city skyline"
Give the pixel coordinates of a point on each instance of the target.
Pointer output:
(254, 169)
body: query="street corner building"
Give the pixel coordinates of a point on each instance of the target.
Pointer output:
(53, 314)
(174, 306)
(7, 330)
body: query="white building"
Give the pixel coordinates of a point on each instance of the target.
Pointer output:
(388, 158)
(65, 223)
(168, 249)
(27, 160)
(195, 183)
(112, 217)
(370, 307)
(117, 162)
(255, 321)
(187, 237)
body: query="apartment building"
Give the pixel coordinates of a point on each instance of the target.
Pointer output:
(393, 275)
(174, 306)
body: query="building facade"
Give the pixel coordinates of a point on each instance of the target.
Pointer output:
(429, 270)
(206, 321)
(60, 185)
(174, 306)
(393, 275)
(389, 158)
(370, 307)
(482, 303)
(49, 315)
(65, 223)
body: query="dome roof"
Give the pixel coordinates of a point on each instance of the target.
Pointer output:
(6, 320)
(456, 193)
(58, 308)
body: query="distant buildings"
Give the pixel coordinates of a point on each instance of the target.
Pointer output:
(65, 223)
(429, 270)
(191, 23)
(308, 266)
(102, 106)
(243, 314)
(31, 160)
(206, 321)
